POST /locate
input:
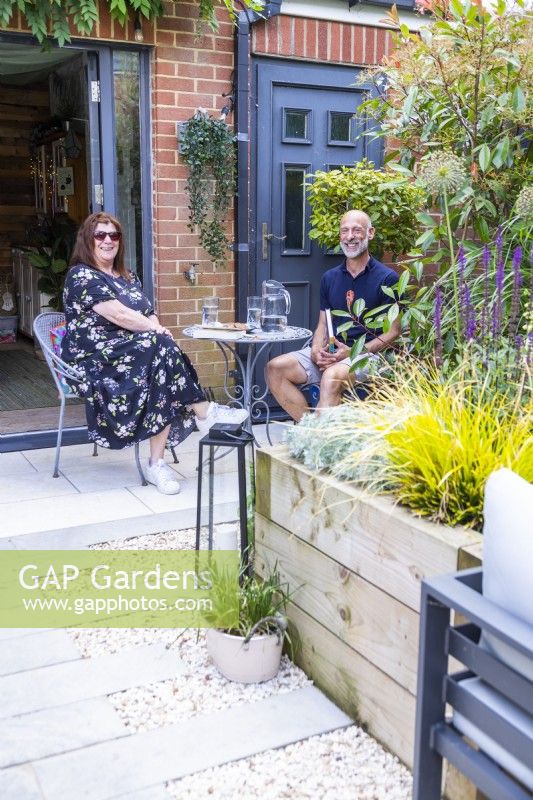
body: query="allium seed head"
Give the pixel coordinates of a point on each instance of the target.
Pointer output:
(524, 204)
(442, 172)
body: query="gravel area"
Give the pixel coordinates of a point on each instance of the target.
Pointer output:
(343, 765)
(200, 688)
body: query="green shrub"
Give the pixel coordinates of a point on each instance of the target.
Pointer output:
(391, 205)
(461, 85)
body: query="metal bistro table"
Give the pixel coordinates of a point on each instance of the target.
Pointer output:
(248, 395)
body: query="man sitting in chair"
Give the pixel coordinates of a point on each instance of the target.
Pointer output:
(360, 275)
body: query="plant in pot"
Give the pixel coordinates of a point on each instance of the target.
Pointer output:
(52, 243)
(248, 649)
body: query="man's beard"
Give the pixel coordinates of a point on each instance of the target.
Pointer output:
(355, 250)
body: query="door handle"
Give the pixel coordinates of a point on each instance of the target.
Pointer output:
(267, 237)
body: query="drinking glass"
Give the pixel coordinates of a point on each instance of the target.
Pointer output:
(253, 315)
(210, 311)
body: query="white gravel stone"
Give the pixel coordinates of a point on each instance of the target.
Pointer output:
(200, 688)
(343, 765)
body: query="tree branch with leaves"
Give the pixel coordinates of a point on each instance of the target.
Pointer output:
(60, 20)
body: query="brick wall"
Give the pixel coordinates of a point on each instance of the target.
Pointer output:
(320, 40)
(190, 71)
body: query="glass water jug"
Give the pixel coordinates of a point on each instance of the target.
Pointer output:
(275, 305)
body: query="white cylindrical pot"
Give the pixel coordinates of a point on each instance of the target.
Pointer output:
(254, 662)
(226, 538)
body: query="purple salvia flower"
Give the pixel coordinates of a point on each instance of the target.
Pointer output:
(461, 263)
(486, 290)
(438, 324)
(515, 297)
(518, 343)
(498, 305)
(470, 315)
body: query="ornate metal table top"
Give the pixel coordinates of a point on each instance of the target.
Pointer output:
(289, 334)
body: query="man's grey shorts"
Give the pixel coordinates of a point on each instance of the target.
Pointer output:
(314, 374)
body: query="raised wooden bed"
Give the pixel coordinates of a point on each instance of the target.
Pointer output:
(354, 564)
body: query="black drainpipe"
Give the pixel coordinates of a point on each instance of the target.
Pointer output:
(244, 225)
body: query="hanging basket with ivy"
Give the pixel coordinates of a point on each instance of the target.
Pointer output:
(207, 148)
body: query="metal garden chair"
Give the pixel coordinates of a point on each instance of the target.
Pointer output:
(42, 326)
(489, 738)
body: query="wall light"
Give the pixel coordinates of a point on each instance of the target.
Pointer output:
(138, 28)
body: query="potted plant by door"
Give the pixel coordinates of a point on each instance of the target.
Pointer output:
(250, 650)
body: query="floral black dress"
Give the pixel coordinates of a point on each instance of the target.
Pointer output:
(134, 384)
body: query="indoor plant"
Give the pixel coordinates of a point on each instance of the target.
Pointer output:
(51, 247)
(249, 650)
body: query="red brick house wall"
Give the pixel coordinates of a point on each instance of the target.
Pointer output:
(319, 40)
(191, 70)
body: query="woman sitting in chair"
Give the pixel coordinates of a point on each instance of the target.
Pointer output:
(138, 383)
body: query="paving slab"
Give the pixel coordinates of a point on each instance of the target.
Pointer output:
(19, 783)
(127, 765)
(15, 464)
(90, 477)
(51, 513)
(58, 730)
(18, 488)
(17, 633)
(82, 536)
(7, 544)
(60, 684)
(37, 650)
(226, 489)
(153, 793)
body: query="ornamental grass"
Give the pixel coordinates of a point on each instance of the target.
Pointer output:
(429, 441)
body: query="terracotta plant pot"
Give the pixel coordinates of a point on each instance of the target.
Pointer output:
(252, 661)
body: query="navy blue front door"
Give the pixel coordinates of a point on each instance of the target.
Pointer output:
(304, 122)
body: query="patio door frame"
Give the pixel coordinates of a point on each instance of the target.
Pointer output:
(103, 164)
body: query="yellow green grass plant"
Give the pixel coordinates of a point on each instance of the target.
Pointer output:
(458, 433)
(430, 441)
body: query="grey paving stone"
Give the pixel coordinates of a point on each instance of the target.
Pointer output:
(127, 765)
(60, 684)
(37, 650)
(153, 793)
(19, 783)
(7, 544)
(17, 633)
(58, 730)
(82, 536)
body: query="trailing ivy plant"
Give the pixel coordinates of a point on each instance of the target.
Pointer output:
(207, 148)
(54, 18)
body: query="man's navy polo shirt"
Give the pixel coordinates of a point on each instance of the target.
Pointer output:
(337, 286)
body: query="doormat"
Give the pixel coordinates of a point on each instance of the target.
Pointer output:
(25, 382)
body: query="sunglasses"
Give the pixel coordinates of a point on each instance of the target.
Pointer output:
(101, 235)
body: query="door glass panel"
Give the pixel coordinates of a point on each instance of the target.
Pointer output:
(126, 72)
(294, 208)
(340, 128)
(296, 125)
